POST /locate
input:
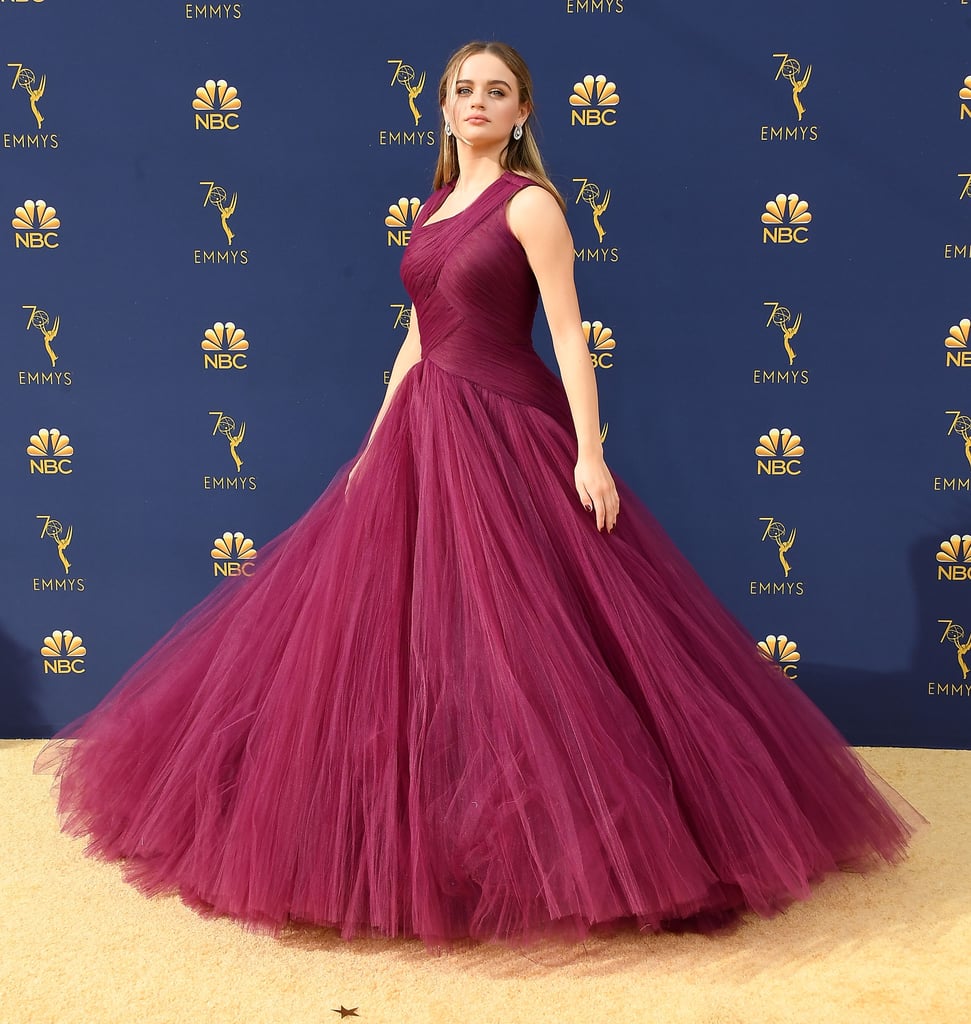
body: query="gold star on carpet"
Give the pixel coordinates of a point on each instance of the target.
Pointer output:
(345, 1012)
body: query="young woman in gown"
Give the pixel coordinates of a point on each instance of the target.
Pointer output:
(474, 692)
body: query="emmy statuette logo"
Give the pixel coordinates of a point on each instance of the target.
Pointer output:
(409, 84)
(590, 194)
(785, 220)
(46, 330)
(217, 106)
(35, 225)
(789, 73)
(50, 453)
(33, 87)
(61, 537)
(226, 427)
(775, 532)
(64, 653)
(782, 652)
(954, 633)
(233, 554)
(601, 342)
(960, 428)
(401, 219)
(224, 204)
(594, 102)
(782, 317)
(224, 347)
(779, 453)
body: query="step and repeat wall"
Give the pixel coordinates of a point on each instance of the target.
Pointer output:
(204, 208)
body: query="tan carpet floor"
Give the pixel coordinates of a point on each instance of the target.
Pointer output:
(80, 946)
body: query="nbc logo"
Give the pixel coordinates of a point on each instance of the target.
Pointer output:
(781, 651)
(233, 554)
(35, 225)
(594, 102)
(779, 453)
(216, 105)
(954, 558)
(785, 219)
(50, 452)
(602, 342)
(956, 344)
(64, 653)
(400, 220)
(963, 95)
(224, 346)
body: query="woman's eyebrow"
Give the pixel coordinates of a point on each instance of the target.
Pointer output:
(494, 81)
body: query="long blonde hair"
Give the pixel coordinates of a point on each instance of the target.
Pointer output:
(521, 156)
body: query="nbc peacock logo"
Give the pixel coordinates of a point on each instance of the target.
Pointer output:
(50, 453)
(224, 347)
(217, 105)
(401, 219)
(64, 653)
(786, 219)
(782, 652)
(779, 453)
(964, 95)
(35, 225)
(956, 352)
(601, 342)
(954, 558)
(594, 101)
(233, 554)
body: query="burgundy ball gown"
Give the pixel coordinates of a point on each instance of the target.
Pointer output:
(445, 706)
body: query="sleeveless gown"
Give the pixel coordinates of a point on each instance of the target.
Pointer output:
(445, 706)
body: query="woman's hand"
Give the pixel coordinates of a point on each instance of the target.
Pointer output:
(597, 490)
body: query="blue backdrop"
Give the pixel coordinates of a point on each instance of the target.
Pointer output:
(210, 309)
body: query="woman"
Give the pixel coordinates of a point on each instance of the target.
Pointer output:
(461, 698)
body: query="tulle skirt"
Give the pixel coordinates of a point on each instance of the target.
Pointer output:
(444, 706)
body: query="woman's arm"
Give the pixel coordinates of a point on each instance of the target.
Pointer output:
(537, 221)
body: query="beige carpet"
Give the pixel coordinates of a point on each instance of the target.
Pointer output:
(80, 946)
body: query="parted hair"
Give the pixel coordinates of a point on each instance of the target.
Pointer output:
(521, 156)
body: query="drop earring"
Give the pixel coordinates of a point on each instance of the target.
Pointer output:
(517, 132)
(448, 128)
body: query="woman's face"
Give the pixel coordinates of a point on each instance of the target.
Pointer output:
(486, 106)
